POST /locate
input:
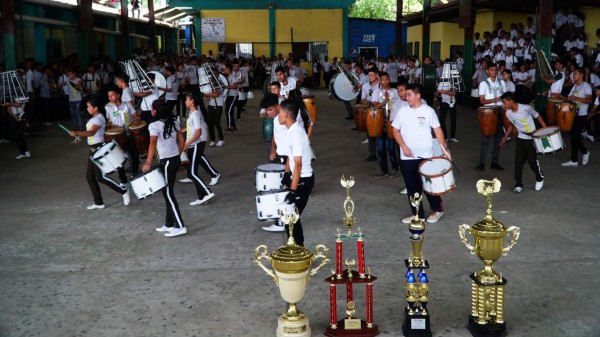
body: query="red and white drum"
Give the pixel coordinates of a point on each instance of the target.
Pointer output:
(547, 140)
(437, 176)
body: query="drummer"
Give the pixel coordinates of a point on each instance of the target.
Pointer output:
(370, 94)
(521, 117)
(556, 83)
(167, 140)
(490, 91)
(581, 96)
(148, 97)
(273, 89)
(123, 114)
(412, 130)
(95, 128)
(387, 99)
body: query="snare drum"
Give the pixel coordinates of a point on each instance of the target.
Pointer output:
(311, 106)
(488, 120)
(116, 133)
(436, 175)
(141, 137)
(565, 115)
(375, 121)
(551, 108)
(269, 204)
(109, 157)
(547, 140)
(268, 177)
(360, 117)
(146, 184)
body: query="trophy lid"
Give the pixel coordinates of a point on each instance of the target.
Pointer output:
(291, 258)
(488, 223)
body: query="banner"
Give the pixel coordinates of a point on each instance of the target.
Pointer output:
(213, 29)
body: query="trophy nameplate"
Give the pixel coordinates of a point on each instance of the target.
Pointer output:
(352, 324)
(418, 324)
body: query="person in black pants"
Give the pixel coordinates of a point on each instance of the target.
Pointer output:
(167, 140)
(214, 112)
(16, 124)
(95, 138)
(581, 95)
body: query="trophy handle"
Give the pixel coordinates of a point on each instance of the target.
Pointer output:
(462, 229)
(516, 232)
(261, 252)
(320, 252)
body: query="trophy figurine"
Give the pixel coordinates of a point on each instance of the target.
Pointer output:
(487, 285)
(291, 272)
(416, 315)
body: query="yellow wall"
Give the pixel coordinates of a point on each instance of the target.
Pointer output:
(592, 16)
(448, 34)
(241, 26)
(486, 19)
(415, 34)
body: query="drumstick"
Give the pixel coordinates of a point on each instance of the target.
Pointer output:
(63, 127)
(451, 161)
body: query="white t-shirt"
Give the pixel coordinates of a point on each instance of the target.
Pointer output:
(232, 79)
(173, 84)
(127, 95)
(74, 94)
(286, 88)
(510, 86)
(298, 145)
(279, 132)
(98, 137)
(581, 90)
(415, 127)
(520, 78)
(166, 147)
(370, 92)
(491, 90)
(121, 115)
(414, 75)
(392, 70)
(192, 73)
(522, 119)
(148, 100)
(194, 122)
(393, 99)
(557, 86)
(91, 81)
(445, 97)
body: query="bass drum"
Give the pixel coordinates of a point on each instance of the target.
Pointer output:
(160, 81)
(341, 88)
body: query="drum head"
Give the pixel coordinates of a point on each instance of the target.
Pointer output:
(271, 167)
(115, 130)
(435, 167)
(341, 88)
(136, 126)
(544, 132)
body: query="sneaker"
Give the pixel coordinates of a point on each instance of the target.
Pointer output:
(434, 217)
(480, 167)
(453, 140)
(186, 181)
(4, 141)
(408, 219)
(274, 228)
(496, 166)
(584, 161)
(21, 156)
(539, 185)
(165, 229)
(381, 175)
(94, 206)
(519, 189)
(394, 174)
(221, 143)
(204, 200)
(570, 163)
(212, 144)
(589, 137)
(404, 191)
(214, 180)
(176, 232)
(366, 141)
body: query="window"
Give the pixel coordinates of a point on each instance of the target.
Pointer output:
(436, 50)
(317, 49)
(244, 50)
(409, 48)
(417, 49)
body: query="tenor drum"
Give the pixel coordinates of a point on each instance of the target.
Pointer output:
(547, 140)
(565, 115)
(507, 122)
(360, 117)
(375, 121)
(488, 120)
(116, 133)
(341, 87)
(268, 177)
(109, 157)
(437, 176)
(551, 107)
(311, 106)
(268, 128)
(146, 184)
(269, 204)
(141, 137)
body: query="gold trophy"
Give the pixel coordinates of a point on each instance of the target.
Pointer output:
(291, 272)
(487, 286)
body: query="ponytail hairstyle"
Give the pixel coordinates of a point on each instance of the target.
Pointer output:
(163, 114)
(95, 102)
(198, 102)
(295, 97)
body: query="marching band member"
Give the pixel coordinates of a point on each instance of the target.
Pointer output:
(95, 128)
(171, 89)
(412, 131)
(122, 81)
(197, 134)
(122, 114)
(385, 146)
(490, 91)
(16, 125)
(232, 95)
(521, 117)
(148, 97)
(215, 110)
(448, 103)
(168, 142)
(74, 86)
(581, 95)
(370, 94)
(286, 84)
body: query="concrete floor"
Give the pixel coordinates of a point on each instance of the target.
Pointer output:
(67, 271)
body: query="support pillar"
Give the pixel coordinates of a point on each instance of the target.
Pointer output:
(111, 50)
(8, 28)
(345, 41)
(198, 31)
(272, 31)
(400, 38)
(124, 19)
(426, 30)
(151, 25)
(84, 31)
(466, 21)
(544, 43)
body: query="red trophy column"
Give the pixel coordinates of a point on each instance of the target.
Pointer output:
(338, 257)
(332, 305)
(360, 244)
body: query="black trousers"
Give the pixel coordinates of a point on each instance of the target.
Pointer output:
(173, 215)
(575, 137)
(444, 107)
(196, 156)
(525, 152)
(171, 104)
(349, 109)
(412, 180)
(231, 103)
(17, 133)
(304, 190)
(94, 175)
(213, 121)
(135, 156)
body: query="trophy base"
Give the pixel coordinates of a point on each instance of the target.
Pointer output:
(486, 330)
(364, 330)
(416, 325)
(299, 328)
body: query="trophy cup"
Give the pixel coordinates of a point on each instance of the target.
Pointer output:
(416, 316)
(291, 272)
(350, 326)
(487, 286)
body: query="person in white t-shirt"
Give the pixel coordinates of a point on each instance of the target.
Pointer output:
(122, 114)
(448, 94)
(388, 96)
(369, 95)
(74, 89)
(521, 117)
(95, 128)
(412, 131)
(490, 92)
(148, 97)
(581, 95)
(166, 139)
(391, 67)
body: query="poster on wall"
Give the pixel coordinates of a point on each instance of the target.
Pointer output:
(213, 29)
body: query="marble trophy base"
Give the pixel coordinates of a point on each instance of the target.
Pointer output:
(416, 325)
(364, 330)
(486, 330)
(297, 328)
